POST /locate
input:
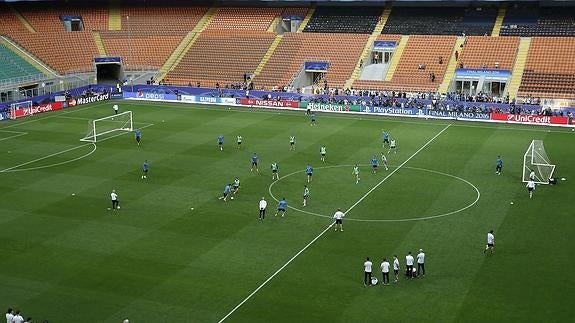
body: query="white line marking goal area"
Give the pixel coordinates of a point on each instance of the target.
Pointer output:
(331, 224)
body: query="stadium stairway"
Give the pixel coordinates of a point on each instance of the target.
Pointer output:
(396, 57)
(187, 43)
(27, 56)
(364, 55)
(498, 22)
(114, 16)
(518, 67)
(23, 20)
(306, 20)
(274, 24)
(268, 54)
(99, 43)
(450, 71)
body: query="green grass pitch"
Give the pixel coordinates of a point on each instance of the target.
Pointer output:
(67, 258)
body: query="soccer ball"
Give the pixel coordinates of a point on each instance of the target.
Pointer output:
(118, 207)
(232, 197)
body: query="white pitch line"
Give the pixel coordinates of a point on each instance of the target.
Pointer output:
(42, 158)
(329, 226)
(19, 134)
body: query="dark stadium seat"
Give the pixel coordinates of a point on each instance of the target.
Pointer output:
(530, 20)
(356, 20)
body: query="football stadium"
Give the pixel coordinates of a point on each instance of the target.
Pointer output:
(287, 161)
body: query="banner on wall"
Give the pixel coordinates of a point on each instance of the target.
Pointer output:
(140, 95)
(28, 111)
(530, 119)
(330, 107)
(270, 103)
(206, 99)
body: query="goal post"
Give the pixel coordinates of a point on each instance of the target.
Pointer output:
(536, 164)
(100, 127)
(24, 105)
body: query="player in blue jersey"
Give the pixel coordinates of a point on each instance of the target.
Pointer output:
(385, 138)
(145, 168)
(309, 172)
(227, 190)
(499, 165)
(138, 136)
(282, 206)
(374, 163)
(255, 163)
(221, 142)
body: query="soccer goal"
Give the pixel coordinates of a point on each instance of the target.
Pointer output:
(25, 105)
(100, 127)
(536, 163)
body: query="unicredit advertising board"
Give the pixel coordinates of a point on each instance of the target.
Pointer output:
(22, 112)
(529, 119)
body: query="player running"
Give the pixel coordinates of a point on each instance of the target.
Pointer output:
(322, 151)
(392, 146)
(239, 141)
(292, 143)
(254, 163)
(356, 173)
(309, 172)
(221, 142)
(227, 190)
(236, 185)
(385, 138)
(384, 161)
(275, 169)
(313, 118)
(374, 164)
(282, 205)
(145, 169)
(499, 165)
(305, 195)
(138, 136)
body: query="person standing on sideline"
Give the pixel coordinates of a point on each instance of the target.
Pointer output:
(9, 315)
(421, 263)
(367, 272)
(490, 242)
(275, 174)
(138, 136)
(116, 108)
(145, 169)
(530, 187)
(305, 195)
(499, 165)
(221, 142)
(338, 216)
(385, 272)
(263, 205)
(115, 200)
(292, 143)
(239, 141)
(396, 268)
(409, 263)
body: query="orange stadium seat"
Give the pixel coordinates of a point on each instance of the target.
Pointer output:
(154, 19)
(244, 18)
(480, 51)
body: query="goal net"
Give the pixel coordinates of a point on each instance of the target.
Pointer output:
(25, 107)
(100, 127)
(537, 164)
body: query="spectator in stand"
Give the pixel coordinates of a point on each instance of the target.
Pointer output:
(456, 55)
(440, 59)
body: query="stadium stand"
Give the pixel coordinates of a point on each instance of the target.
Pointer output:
(153, 19)
(356, 20)
(530, 20)
(14, 66)
(441, 21)
(549, 70)
(45, 17)
(141, 49)
(340, 50)
(489, 52)
(211, 61)
(252, 19)
(420, 59)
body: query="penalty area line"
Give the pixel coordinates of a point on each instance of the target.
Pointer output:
(329, 227)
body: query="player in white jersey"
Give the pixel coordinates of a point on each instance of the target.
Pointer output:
(305, 195)
(392, 146)
(396, 268)
(338, 217)
(356, 173)
(292, 143)
(490, 242)
(530, 187)
(384, 161)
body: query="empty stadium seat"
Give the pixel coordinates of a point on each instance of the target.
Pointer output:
(357, 20)
(489, 52)
(531, 20)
